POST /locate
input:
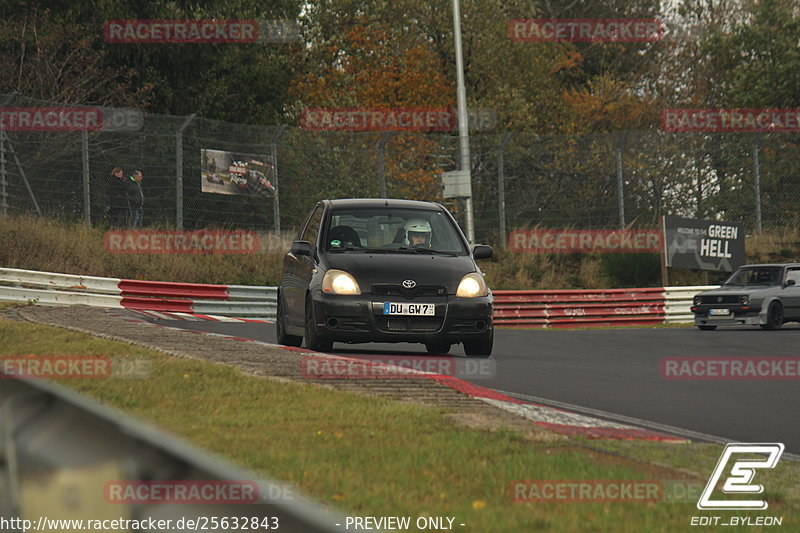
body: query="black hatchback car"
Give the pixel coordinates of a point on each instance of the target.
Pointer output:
(375, 270)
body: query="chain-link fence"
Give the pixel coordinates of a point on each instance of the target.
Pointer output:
(626, 179)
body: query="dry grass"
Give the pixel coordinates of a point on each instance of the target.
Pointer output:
(76, 248)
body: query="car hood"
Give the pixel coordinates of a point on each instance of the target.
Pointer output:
(394, 268)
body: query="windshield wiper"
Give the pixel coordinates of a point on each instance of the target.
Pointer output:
(426, 251)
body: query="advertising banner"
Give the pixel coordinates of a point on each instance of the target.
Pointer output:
(235, 173)
(703, 244)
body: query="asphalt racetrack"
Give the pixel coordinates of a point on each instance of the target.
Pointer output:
(617, 374)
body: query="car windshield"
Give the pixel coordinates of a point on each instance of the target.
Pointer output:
(756, 276)
(393, 230)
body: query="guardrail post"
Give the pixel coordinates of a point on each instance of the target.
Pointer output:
(501, 188)
(276, 197)
(87, 205)
(179, 172)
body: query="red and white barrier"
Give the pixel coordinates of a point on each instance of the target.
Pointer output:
(579, 308)
(588, 308)
(545, 308)
(48, 288)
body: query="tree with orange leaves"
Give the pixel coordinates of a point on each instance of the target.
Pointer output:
(368, 66)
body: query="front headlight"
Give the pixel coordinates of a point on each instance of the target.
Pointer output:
(744, 299)
(339, 282)
(697, 300)
(472, 286)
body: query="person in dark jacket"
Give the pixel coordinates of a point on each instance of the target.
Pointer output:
(135, 199)
(117, 198)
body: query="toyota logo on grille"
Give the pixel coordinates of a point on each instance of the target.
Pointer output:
(409, 284)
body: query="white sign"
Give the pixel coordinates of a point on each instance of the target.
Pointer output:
(457, 184)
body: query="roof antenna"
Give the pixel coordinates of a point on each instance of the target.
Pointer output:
(386, 204)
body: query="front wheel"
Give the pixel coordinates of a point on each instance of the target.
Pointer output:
(706, 328)
(280, 328)
(774, 317)
(480, 348)
(313, 341)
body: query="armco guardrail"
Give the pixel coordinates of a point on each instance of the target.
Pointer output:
(61, 451)
(579, 308)
(49, 288)
(544, 308)
(586, 308)
(679, 300)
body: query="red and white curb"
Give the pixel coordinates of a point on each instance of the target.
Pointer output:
(558, 420)
(193, 317)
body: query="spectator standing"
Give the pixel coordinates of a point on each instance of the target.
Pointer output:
(136, 199)
(117, 198)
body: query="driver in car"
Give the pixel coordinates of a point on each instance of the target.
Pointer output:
(418, 232)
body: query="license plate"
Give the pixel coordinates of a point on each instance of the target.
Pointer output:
(719, 312)
(391, 308)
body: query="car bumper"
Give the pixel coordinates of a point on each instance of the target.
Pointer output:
(737, 316)
(361, 319)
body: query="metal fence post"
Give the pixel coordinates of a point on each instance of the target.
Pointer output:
(501, 187)
(620, 185)
(757, 181)
(87, 206)
(3, 172)
(379, 147)
(276, 198)
(179, 172)
(22, 174)
(3, 177)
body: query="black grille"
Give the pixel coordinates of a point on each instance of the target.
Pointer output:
(725, 299)
(417, 324)
(419, 291)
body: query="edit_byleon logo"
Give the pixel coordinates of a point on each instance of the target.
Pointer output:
(740, 478)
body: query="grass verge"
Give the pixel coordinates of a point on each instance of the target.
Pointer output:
(377, 457)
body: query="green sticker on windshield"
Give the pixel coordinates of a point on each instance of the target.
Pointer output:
(336, 243)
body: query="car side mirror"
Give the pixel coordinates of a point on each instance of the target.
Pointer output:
(301, 248)
(790, 282)
(482, 251)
